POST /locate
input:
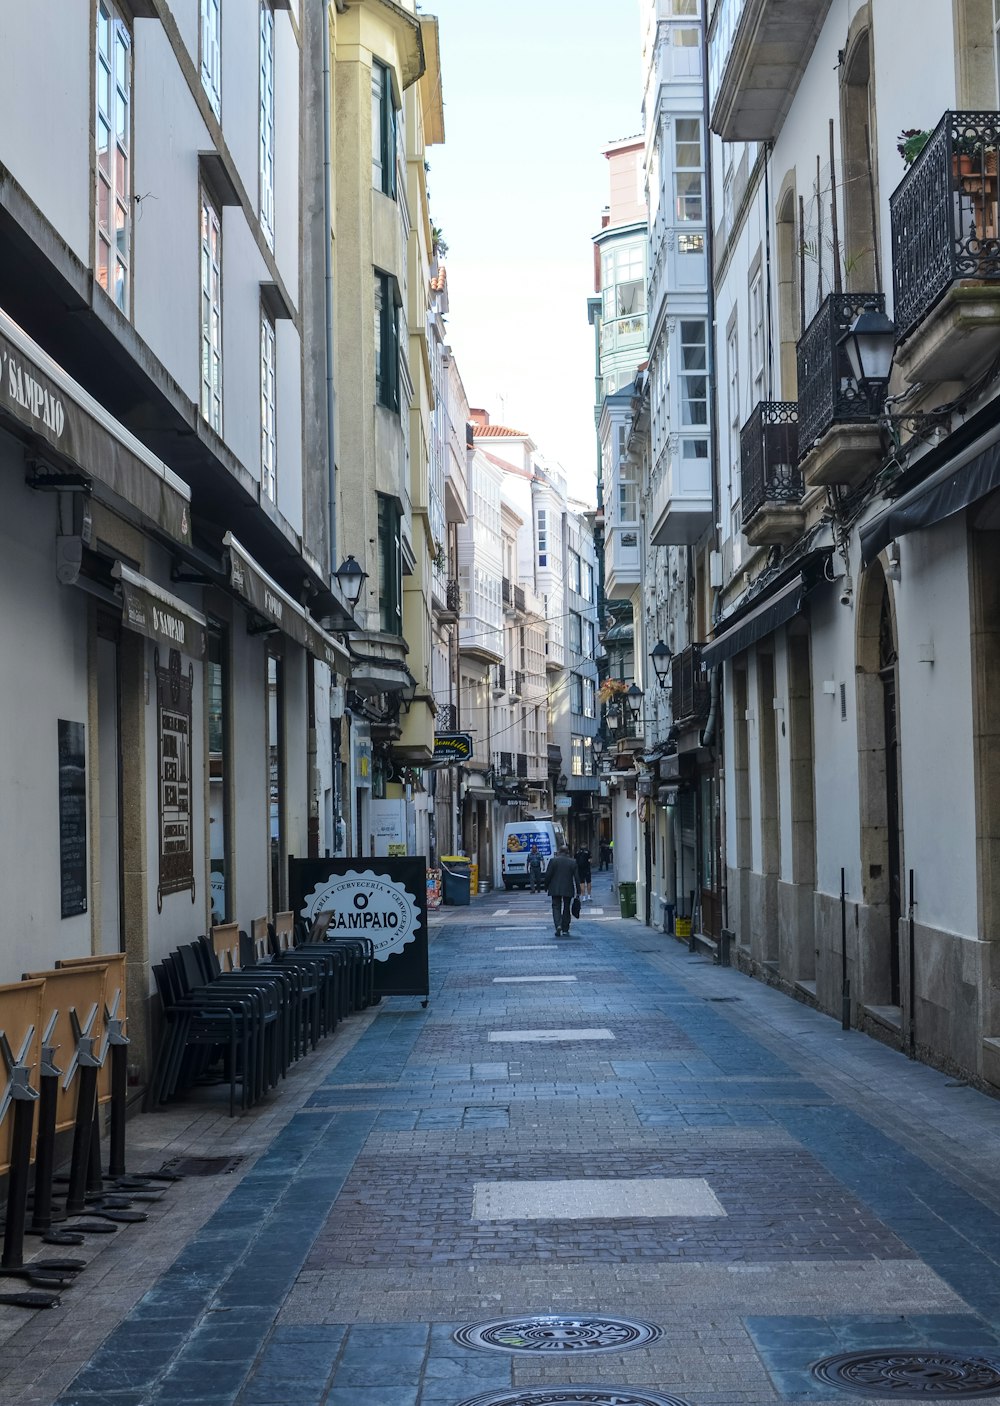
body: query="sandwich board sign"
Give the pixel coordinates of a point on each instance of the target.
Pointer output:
(379, 897)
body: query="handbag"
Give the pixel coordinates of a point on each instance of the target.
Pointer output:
(574, 907)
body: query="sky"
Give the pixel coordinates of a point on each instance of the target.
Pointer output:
(534, 90)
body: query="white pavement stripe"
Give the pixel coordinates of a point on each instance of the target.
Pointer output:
(501, 912)
(594, 1198)
(530, 947)
(497, 980)
(543, 1037)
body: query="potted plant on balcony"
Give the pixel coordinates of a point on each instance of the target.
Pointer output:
(911, 142)
(611, 690)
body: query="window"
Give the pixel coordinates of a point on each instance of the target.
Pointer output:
(576, 763)
(114, 146)
(390, 567)
(733, 378)
(575, 632)
(588, 698)
(757, 335)
(386, 343)
(211, 52)
(543, 538)
(631, 278)
(267, 120)
(575, 694)
(211, 313)
(588, 757)
(588, 581)
(384, 129)
(688, 170)
(693, 378)
(590, 639)
(628, 500)
(574, 572)
(268, 407)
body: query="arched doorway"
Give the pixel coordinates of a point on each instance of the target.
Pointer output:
(879, 774)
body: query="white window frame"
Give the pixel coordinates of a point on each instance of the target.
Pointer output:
(690, 374)
(268, 408)
(757, 349)
(543, 538)
(211, 312)
(589, 707)
(266, 120)
(113, 191)
(210, 39)
(576, 756)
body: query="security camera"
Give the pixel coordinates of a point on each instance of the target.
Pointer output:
(847, 596)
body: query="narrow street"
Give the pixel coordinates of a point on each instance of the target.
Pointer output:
(606, 1127)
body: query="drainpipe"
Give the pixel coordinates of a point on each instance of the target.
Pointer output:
(331, 400)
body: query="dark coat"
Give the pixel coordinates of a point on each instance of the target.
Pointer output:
(561, 878)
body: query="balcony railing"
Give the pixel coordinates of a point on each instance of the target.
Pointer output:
(519, 598)
(506, 763)
(453, 596)
(517, 684)
(690, 697)
(944, 215)
(828, 392)
(502, 677)
(444, 719)
(769, 457)
(505, 590)
(522, 764)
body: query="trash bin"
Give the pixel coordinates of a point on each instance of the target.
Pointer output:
(455, 886)
(626, 898)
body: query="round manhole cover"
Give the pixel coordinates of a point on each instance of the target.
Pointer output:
(556, 1333)
(901, 1372)
(576, 1396)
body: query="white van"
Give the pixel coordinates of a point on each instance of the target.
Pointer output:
(518, 837)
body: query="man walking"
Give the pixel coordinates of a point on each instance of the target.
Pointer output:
(563, 884)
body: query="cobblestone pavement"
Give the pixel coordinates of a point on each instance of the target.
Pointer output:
(653, 1138)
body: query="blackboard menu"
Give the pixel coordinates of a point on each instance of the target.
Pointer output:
(72, 819)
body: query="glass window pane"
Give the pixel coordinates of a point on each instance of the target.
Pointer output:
(689, 203)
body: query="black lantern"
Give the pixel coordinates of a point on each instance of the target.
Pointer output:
(870, 342)
(634, 700)
(351, 577)
(613, 715)
(661, 657)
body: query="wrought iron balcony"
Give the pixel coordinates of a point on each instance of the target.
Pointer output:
(690, 696)
(522, 764)
(945, 221)
(828, 392)
(453, 595)
(769, 457)
(519, 598)
(501, 683)
(505, 590)
(445, 719)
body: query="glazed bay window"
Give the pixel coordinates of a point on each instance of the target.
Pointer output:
(693, 377)
(543, 538)
(384, 131)
(390, 567)
(268, 410)
(211, 313)
(210, 39)
(386, 342)
(266, 120)
(688, 178)
(114, 146)
(576, 757)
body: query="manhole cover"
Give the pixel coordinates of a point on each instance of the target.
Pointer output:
(901, 1372)
(202, 1166)
(557, 1334)
(575, 1396)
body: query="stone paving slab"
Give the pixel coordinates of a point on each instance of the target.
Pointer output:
(861, 1191)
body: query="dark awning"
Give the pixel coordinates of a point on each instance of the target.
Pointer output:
(267, 600)
(151, 611)
(958, 484)
(51, 408)
(757, 624)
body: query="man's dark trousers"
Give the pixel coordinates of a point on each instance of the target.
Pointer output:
(561, 912)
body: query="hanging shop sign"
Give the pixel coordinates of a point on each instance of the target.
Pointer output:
(174, 691)
(453, 748)
(268, 601)
(155, 613)
(381, 899)
(72, 819)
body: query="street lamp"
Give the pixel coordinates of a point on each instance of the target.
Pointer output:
(661, 657)
(614, 716)
(351, 577)
(634, 699)
(869, 343)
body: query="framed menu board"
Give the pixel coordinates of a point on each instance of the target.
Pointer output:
(174, 690)
(72, 819)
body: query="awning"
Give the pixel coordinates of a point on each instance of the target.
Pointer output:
(151, 611)
(38, 395)
(757, 625)
(958, 484)
(266, 598)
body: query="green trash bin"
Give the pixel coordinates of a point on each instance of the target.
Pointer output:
(455, 881)
(626, 898)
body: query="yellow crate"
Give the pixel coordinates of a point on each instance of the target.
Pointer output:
(682, 927)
